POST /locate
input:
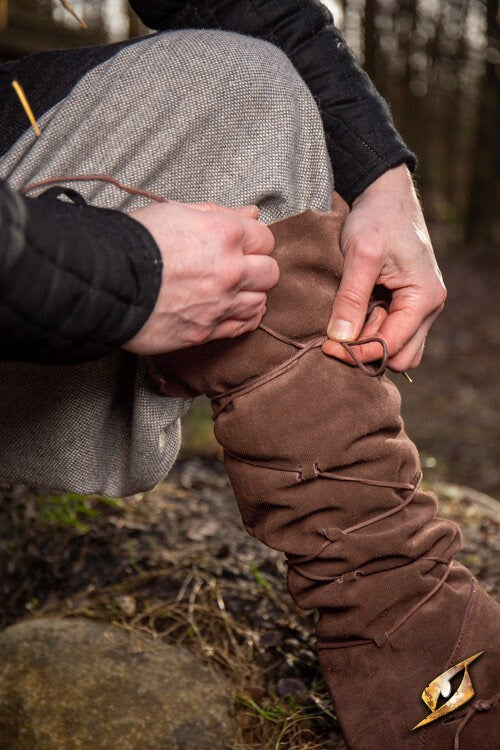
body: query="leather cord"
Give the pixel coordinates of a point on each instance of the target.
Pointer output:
(475, 706)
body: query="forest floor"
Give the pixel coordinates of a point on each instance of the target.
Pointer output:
(175, 562)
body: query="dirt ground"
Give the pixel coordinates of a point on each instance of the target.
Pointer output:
(176, 563)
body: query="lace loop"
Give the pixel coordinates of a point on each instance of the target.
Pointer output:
(475, 706)
(349, 347)
(305, 472)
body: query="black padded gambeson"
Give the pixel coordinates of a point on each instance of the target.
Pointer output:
(68, 294)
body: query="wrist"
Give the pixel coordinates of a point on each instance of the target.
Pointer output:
(397, 180)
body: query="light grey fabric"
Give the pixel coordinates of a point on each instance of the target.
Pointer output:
(193, 116)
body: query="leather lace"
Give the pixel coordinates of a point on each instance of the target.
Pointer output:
(222, 400)
(94, 178)
(305, 473)
(474, 707)
(310, 472)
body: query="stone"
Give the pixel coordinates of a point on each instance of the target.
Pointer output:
(78, 684)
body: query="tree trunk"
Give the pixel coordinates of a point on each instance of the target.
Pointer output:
(406, 113)
(483, 224)
(370, 47)
(4, 14)
(454, 105)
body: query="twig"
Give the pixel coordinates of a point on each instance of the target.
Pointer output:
(71, 10)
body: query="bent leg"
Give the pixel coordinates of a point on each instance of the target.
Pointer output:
(189, 115)
(192, 116)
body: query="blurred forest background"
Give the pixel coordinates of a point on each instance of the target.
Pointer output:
(436, 62)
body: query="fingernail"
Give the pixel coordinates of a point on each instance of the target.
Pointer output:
(341, 330)
(375, 314)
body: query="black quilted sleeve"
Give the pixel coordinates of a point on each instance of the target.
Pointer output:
(76, 282)
(362, 140)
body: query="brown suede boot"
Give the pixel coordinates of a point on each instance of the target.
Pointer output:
(323, 470)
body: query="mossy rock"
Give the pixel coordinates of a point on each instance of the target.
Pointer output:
(75, 684)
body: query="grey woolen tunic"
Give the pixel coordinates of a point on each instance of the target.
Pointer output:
(218, 117)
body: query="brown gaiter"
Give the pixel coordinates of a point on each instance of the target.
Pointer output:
(322, 469)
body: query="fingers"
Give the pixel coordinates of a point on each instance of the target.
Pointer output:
(367, 352)
(411, 315)
(361, 272)
(257, 237)
(417, 359)
(260, 273)
(251, 210)
(236, 230)
(409, 357)
(243, 227)
(247, 305)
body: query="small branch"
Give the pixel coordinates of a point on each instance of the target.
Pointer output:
(70, 9)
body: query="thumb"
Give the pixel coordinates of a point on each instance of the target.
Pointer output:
(250, 211)
(351, 302)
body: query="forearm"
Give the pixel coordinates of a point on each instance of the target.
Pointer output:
(76, 282)
(360, 134)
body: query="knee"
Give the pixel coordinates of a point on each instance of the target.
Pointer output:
(223, 63)
(238, 53)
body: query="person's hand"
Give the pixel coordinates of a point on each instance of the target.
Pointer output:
(216, 272)
(385, 241)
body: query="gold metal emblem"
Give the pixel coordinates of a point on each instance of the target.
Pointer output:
(441, 687)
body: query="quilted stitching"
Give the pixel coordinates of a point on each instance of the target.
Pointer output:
(99, 269)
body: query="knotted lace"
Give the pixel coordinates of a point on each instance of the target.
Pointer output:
(310, 472)
(313, 471)
(475, 706)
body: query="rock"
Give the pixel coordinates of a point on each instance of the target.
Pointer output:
(76, 684)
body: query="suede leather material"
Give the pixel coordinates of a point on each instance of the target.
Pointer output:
(374, 560)
(377, 691)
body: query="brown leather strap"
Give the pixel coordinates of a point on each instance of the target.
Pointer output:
(475, 706)
(93, 178)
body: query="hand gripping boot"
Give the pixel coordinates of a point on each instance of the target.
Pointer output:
(322, 469)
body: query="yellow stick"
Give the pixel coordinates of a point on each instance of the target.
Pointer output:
(26, 106)
(68, 7)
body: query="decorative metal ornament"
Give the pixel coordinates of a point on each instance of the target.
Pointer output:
(441, 687)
